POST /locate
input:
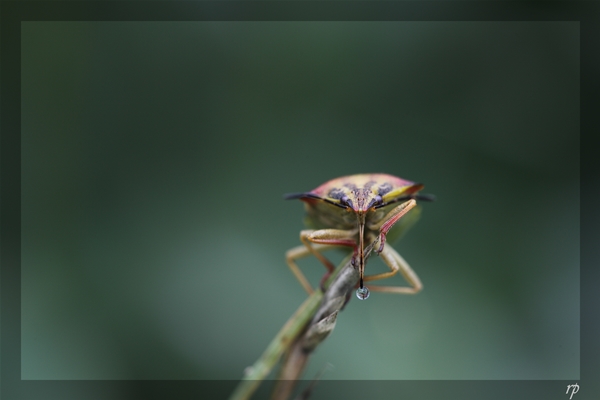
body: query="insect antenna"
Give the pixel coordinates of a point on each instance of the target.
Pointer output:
(424, 197)
(302, 195)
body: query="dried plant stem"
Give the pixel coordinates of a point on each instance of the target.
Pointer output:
(337, 294)
(280, 343)
(302, 333)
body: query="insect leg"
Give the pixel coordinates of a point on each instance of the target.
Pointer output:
(296, 253)
(316, 241)
(390, 219)
(396, 263)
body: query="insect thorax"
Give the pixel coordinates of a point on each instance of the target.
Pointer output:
(321, 215)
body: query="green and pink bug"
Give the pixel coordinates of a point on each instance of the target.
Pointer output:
(361, 212)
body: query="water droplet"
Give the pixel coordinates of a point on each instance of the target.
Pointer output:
(362, 293)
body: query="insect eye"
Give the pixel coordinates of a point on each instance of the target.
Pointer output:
(377, 201)
(345, 200)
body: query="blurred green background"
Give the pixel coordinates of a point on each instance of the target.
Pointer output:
(155, 157)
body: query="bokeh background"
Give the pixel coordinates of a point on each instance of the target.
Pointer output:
(155, 157)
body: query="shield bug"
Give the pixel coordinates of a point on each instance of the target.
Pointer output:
(359, 211)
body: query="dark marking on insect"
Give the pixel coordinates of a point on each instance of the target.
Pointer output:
(369, 184)
(336, 193)
(384, 188)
